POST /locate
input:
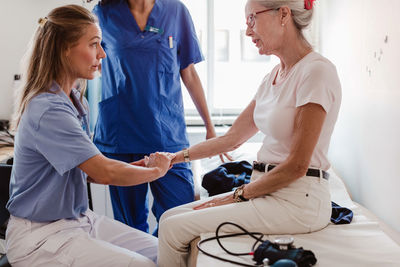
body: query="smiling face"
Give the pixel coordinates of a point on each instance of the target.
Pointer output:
(84, 57)
(267, 32)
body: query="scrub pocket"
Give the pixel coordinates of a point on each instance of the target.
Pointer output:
(167, 56)
(173, 126)
(108, 112)
(52, 249)
(172, 122)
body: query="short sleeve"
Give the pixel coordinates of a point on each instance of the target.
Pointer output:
(262, 86)
(188, 48)
(317, 86)
(62, 141)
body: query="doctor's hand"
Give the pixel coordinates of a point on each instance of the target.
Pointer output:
(216, 201)
(160, 160)
(141, 163)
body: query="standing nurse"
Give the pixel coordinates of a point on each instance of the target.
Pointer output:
(150, 44)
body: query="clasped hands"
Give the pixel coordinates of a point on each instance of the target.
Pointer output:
(160, 160)
(163, 161)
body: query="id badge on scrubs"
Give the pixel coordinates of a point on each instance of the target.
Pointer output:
(154, 29)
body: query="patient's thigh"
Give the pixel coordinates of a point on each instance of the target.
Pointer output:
(183, 223)
(273, 218)
(187, 207)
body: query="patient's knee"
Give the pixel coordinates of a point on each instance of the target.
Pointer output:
(168, 224)
(171, 212)
(165, 215)
(171, 228)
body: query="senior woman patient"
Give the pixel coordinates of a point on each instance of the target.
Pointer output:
(296, 107)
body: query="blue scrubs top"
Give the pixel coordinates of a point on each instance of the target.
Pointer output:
(142, 109)
(52, 140)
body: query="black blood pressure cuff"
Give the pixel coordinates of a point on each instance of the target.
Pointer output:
(303, 258)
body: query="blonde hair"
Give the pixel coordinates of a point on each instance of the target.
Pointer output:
(301, 16)
(46, 56)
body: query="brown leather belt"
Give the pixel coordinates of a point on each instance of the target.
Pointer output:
(260, 166)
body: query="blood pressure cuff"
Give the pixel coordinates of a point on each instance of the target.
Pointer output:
(303, 258)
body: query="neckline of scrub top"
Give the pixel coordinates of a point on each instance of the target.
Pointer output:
(75, 94)
(151, 20)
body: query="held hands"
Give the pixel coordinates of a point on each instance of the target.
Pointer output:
(141, 163)
(159, 160)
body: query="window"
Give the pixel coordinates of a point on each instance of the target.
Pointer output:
(233, 69)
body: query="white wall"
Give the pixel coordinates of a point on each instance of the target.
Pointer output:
(365, 148)
(18, 21)
(362, 37)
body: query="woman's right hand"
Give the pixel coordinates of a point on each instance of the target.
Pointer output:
(160, 160)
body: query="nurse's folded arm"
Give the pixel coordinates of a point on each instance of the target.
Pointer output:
(102, 170)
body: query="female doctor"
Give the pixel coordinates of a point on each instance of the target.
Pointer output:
(50, 223)
(151, 45)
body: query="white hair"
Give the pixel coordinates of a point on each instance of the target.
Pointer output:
(301, 16)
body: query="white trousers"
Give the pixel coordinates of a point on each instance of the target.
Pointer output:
(90, 240)
(303, 206)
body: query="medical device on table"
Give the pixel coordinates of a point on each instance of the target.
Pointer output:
(280, 253)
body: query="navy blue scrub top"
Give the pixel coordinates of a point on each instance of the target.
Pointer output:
(142, 109)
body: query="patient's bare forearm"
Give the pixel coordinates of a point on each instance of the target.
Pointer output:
(242, 129)
(209, 148)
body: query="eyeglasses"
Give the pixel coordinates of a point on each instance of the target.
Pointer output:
(251, 19)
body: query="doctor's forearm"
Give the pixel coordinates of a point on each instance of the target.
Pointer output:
(199, 100)
(103, 170)
(128, 175)
(197, 94)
